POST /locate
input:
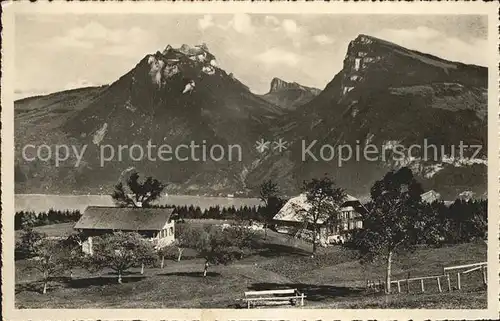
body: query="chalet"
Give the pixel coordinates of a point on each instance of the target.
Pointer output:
(154, 224)
(290, 219)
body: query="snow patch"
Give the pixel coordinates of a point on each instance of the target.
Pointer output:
(170, 70)
(99, 134)
(347, 89)
(431, 170)
(155, 68)
(465, 161)
(357, 64)
(189, 87)
(369, 138)
(209, 70)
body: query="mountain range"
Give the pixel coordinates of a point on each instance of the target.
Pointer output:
(385, 95)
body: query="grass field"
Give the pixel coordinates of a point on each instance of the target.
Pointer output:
(332, 279)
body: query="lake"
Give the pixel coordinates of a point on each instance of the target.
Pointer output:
(44, 202)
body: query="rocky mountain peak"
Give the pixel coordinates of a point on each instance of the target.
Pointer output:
(278, 84)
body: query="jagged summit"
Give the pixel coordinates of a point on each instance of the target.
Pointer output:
(278, 84)
(289, 95)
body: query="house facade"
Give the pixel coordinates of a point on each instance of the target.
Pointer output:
(154, 224)
(332, 230)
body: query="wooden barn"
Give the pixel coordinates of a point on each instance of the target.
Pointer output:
(155, 224)
(290, 219)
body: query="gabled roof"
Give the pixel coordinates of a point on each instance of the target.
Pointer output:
(124, 218)
(291, 211)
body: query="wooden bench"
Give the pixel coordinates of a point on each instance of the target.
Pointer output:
(274, 297)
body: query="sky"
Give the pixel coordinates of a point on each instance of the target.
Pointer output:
(58, 52)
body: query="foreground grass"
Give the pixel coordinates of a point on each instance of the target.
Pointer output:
(332, 279)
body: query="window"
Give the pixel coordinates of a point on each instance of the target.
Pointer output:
(171, 230)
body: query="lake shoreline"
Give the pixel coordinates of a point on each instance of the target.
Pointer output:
(44, 202)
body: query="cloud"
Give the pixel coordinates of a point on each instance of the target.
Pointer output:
(242, 23)
(271, 21)
(206, 22)
(323, 39)
(290, 26)
(80, 83)
(278, 56)
(437, 43)
(96, 36)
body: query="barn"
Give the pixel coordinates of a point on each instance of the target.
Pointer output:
(290, 219)
(154, 224)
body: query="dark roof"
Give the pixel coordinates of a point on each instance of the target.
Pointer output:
(124, 218)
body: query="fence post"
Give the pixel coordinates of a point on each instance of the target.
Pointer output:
(399, 286)
(484, 270)
(422, 284)
(439, 284)
(449, 283)
(302, 299)
(459, 285)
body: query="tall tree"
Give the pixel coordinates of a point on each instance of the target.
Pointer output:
(269, 195)
(30, 239)
(49, 259)
(138, 193)
(324, 200)
(396, 219)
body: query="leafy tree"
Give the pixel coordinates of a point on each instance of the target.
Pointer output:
(268, 189)
(324, 199)
(138, 193)
(121, 251)
(185, 237)
(74, 255)
(49, 259)
(30, 239)
(168, 251)
(223, 245)
(269, 195)
(28, 220)
(396, 219)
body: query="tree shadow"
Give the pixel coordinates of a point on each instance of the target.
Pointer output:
(35, 286)
(124, 273)
(274, 250)
(191, 274)
(100, 281)
(313, 292)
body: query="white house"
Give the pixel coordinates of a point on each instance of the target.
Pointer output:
(154, 224)
(290, 219)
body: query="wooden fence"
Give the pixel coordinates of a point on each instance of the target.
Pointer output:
(442, 281)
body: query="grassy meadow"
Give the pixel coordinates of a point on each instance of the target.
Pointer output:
(334, 278)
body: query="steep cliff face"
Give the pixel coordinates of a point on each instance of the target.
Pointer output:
(391, 97)
(289, 95)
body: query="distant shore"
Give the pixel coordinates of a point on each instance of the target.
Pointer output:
(44, 202)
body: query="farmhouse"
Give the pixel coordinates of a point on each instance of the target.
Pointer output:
(290, 219)
(154, 224)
